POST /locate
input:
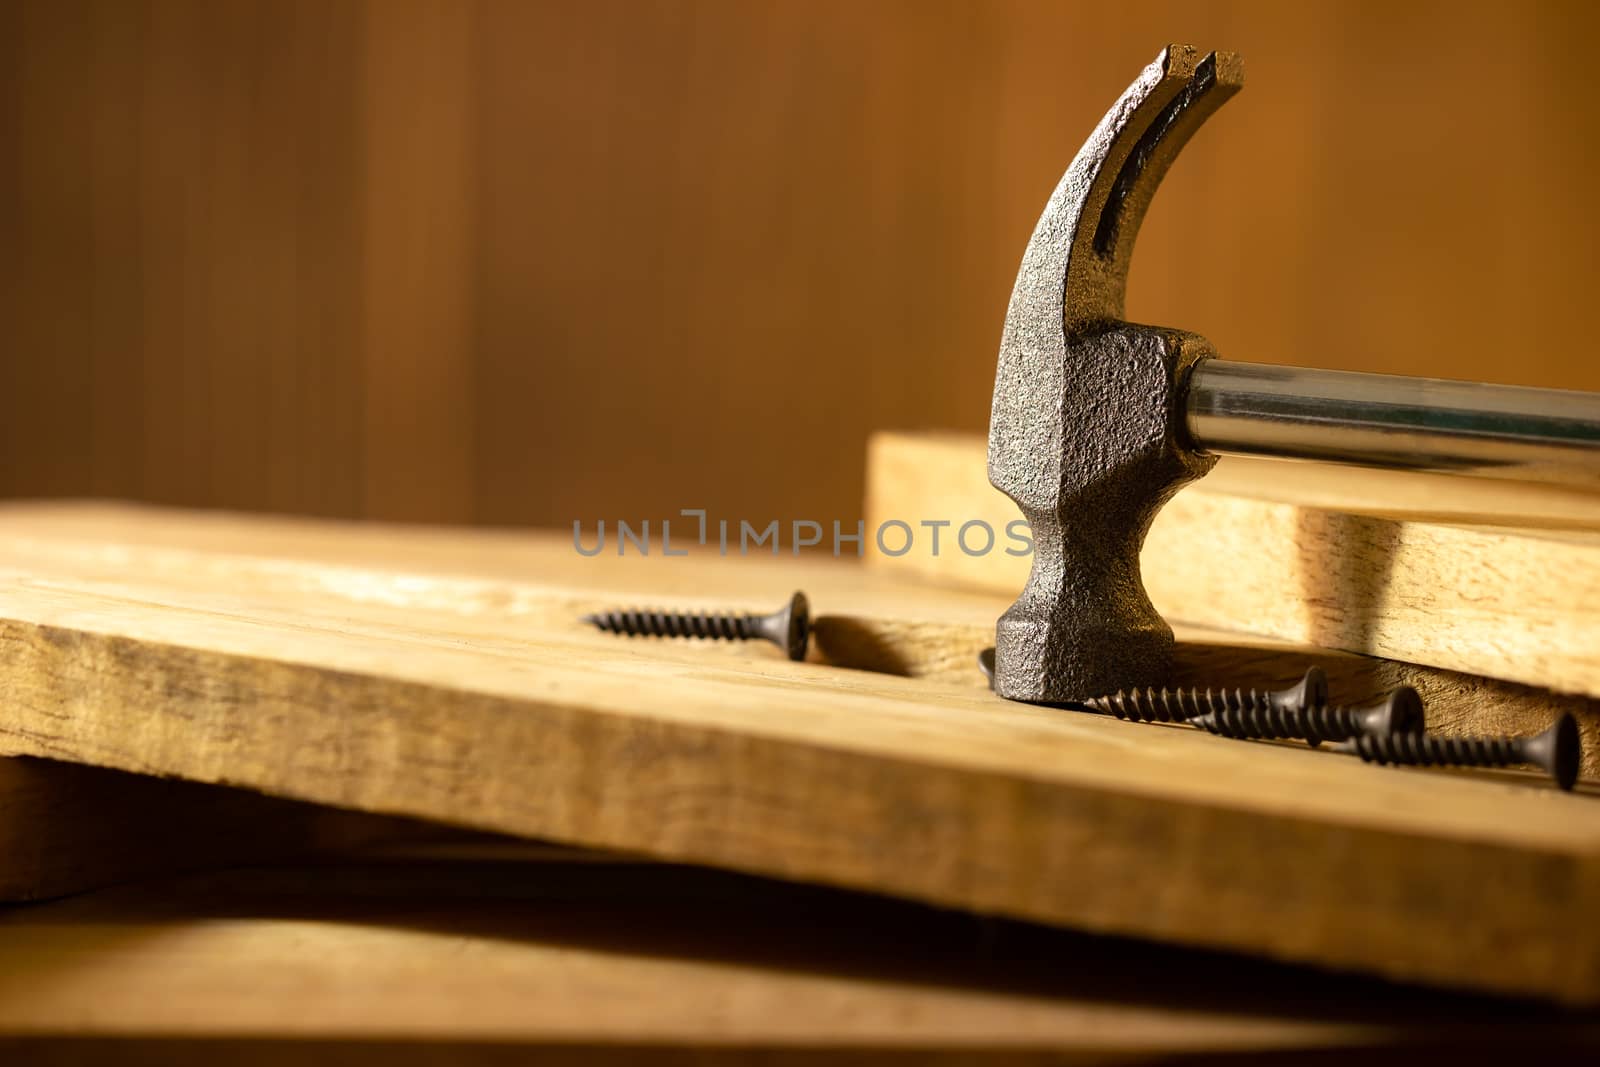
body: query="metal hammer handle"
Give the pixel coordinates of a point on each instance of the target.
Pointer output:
(1385, 420)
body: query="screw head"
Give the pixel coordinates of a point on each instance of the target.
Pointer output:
(1569, 752)
(797, 626)
(1398, 713)
(1309, 692)
(789, 627)
(1560, 750)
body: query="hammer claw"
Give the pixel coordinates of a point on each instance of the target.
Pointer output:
(1085, 432)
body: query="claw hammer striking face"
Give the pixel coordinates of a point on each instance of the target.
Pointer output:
(1097, 422)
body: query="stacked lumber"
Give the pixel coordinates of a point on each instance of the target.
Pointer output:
(443, 675)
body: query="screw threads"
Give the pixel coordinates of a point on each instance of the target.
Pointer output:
(1179, 705)
(1314, 724)
(1175, 705)
(789, 627)
(670, 624)
(1557, 751)
(1431, 750)
(1389, 731)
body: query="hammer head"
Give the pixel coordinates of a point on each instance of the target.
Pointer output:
(1086, 433)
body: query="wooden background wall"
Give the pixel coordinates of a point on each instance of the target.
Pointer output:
(530, 262)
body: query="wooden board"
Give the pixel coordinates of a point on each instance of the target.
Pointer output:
(428, 958)
(868, 620)
(443, 675)
(65, 828)
(1480, 577)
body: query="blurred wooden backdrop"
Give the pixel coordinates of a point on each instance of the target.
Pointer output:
(530, 262)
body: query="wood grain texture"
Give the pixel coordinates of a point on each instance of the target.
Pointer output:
(1477, 577)
(698, 222)
(443, 675)
(320, 257)
(467, 961)
(65, 828)
(418, 269)
(865, 618)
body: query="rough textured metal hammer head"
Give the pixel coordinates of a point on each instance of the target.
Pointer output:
(1086, 433)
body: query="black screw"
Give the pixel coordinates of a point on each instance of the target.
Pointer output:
(789, 627)
(1180, 705)
(1556, 751)
(1399, 712)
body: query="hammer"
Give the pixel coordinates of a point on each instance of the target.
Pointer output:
(1098, 422)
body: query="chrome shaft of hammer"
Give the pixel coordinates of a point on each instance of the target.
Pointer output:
(1385, 420)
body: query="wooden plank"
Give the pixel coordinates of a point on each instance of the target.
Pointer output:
(65, 828)
(388, 671)
(1497, 579)
(385, 955)
(868, 621)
